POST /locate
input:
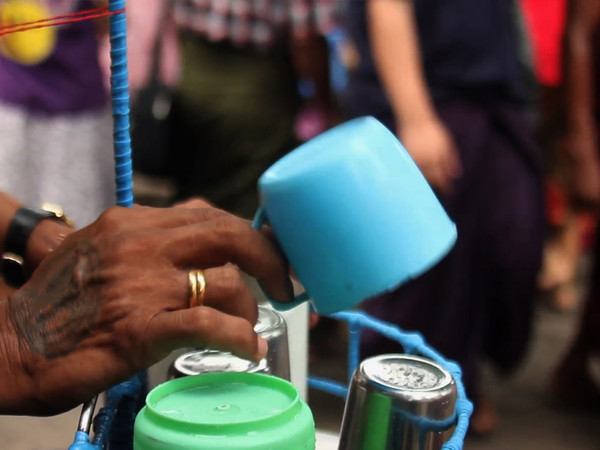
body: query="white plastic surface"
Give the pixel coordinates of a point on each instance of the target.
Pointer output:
(327, 441)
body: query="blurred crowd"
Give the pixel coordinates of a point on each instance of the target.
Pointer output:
(496, 101)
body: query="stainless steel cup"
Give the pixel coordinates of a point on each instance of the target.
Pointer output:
(399, 402)
(271, 326)
(196, 362)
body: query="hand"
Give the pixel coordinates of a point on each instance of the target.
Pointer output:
(45, 238)
(433, 150)
(113, 299)
(194, 203)
(583, 176)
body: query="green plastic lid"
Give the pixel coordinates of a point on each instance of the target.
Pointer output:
(218, 411)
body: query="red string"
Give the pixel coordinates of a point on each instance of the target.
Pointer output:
(50, 19)
(52, 22)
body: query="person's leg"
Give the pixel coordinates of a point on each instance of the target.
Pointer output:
(561, 257)
(508, 248)
(573, 379)
(512, 241)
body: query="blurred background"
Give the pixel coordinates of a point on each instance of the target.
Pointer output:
(496, 101)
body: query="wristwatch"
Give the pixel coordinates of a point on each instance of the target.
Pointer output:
(15, 242)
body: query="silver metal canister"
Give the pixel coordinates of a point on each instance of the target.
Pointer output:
(196, 362)
(399, 402)
(271, 326)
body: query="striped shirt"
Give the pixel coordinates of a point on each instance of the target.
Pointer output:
(256, 23)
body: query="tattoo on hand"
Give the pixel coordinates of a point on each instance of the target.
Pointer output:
(54, 315)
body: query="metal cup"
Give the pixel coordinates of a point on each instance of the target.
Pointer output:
(399, 402)
(271, 326)
(196, 362)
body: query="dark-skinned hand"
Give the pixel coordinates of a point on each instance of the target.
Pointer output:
(113, 299)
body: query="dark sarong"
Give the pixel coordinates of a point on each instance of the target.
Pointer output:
(234, 116)
(478, 301)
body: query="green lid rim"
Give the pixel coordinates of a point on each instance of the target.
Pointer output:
(190, 382)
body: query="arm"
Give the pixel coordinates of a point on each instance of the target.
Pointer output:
(580, 81)
(396, 52)
(45, 237)
(584, 18)
(114, 299)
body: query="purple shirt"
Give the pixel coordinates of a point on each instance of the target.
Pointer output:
(68, 81)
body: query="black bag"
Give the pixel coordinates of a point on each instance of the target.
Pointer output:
(151, 114)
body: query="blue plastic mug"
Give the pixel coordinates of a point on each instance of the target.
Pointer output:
(353, 214)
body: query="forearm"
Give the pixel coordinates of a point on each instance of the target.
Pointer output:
(579, 73)
(397, 56)
(579, 85)
(15, 389)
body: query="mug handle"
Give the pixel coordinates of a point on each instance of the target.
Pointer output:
(260, 219)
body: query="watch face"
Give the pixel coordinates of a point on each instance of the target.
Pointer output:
(12, 269)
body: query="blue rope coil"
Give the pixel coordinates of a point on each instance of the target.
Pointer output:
(115, 421)
(119, 91)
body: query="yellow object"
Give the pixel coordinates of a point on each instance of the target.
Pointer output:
(26, 47)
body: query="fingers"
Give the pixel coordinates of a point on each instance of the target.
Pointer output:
(228, 239)
(194, 203)
(207, 327)
(442, 172)
(437, 177)
(227, 292)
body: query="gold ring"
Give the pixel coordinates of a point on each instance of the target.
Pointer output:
(197, 287)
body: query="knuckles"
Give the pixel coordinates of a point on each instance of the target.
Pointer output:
(112, 219)
(232, 281)
(229, 229)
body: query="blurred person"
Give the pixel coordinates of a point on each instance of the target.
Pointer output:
(143, 22)
(55, 124)
(449, 78)
(574, 379)
(109, 300)
(238, 99)
(546, 20)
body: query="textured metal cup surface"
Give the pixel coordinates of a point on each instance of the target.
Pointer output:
(271, 326)
(196, 362)
(399, 402)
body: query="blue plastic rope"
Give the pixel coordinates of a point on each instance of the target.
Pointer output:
(124, 398)
(413, 343)
(115, 421)
(119, 90)
(354, 329)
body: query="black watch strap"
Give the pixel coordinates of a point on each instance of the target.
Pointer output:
(22, 225)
